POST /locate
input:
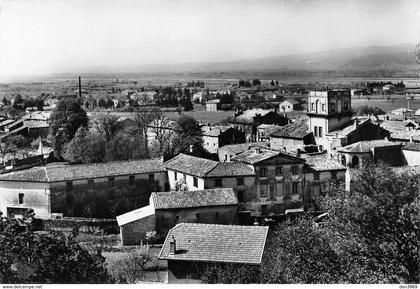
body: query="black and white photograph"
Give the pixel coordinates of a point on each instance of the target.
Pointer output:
(155, 142)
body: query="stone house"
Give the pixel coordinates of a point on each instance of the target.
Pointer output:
(289, 105)
(405, 112)
(265, 130)
(218, 136)
(320, 169)
(293, 136)
(93, 190)
(358, 154)
(279, 181)
(189, 248)
(249, 120)
(166, 209)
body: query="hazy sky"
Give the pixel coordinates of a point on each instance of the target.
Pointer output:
(53, 36)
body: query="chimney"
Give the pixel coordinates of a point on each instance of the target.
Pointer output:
(411, 138)
(80, 87)
(256, 150)
(356, 122)
(172, 246)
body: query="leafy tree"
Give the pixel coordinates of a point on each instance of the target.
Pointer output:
(377, 224)
(102, 103)
(366, 110)
(18, 141)
(256, 82)
(65, 120)
(297, 252)
(106, 125)
(5, 102)
(188, 133)
(86, 147)
(163, 132)
(143, 119)
(50, 257)
(125, 146)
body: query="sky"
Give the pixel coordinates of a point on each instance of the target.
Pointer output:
(40, 37)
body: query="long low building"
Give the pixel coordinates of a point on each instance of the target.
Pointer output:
(99, 190)
(166, 209)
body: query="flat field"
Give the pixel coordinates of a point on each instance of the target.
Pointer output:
(386, 105)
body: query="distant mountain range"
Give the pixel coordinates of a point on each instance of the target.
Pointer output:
(394, 59)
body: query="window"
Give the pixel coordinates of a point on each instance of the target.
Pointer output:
(151, 178)
(295, 170)
(241, 196)
(315, 130)
(217, 216)
(263, 172)
(197, 216)
(346, 105)
(320, 131)
(279, 187)
(176, 175)
(69, 186)
(295, 188)
(323, 107)
(195, 182)
(332, 107)
(21, 197)
(176, 218)
(131, 180)
(218, 182)
(264, 190)
(278, 171)
(240, 181)
(111, 182)
(312, 106)
(316, 176)
(333, 175)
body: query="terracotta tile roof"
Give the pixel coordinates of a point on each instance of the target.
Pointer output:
(216, 243)
(240, 148)
(365, 146)
(252, 157)
(321, 162)
(190, 165)
(411, 170)
(214, 131)
(193, 199)
(231, 170)
(397, 124)
(248, 115)
(62, 172)
(405, 135)
(296, 130)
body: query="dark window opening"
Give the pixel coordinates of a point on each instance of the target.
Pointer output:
(21, 197)
(217, 216)
(176, 176)
(334, 175)
(218, 182)
(131, 180)
(240, 181)
(278, 171)
(111, 182)
(197, 216)
(151, 178)
(69, 186)
(263, 172)
(316, 176)
(294, 170)
(295, 188)
(195, 182)
(241, 198)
